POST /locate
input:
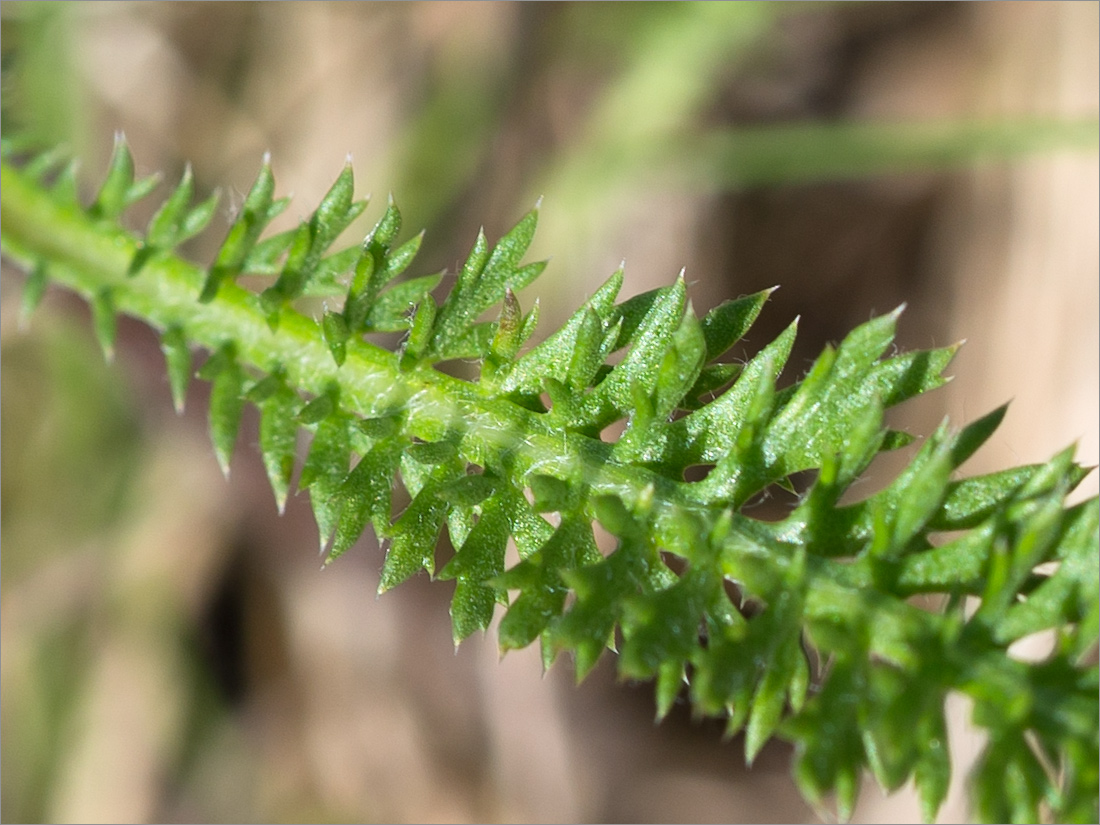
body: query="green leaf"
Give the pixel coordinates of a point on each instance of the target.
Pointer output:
(829, 754)
(300, 258)
(641, 366)
(671, 679)
(538, 578)
(324, 472)
(634, 310)
(434, 452)
(1009, 781)
(590, 350)
(601, 588)
(177, 357)
(65, 189)
(507, 339)
(483, 282)
(111, 199)
(476, 562)
(263, 258)
(365, 495)
(815, 419)
(662, 627)
(553, 494)
(164, 226)
(335, 330)
(34, 289)
(711, 433)
(702, 586)
(195, 221)
(415, 534)
(817, 416)
(173, 223)
(767, 706)
(119, 189)
(255, 214)
(680, 366)
(776, 638)
(325, 282)
(724, 325)
(613, 514)
(914, 496)
(226, 401)
(553, 357)
(932, 771)
(711, 379)
(104, 321)
(377, 429)
(468, 490)
(320, 407)
(336, 210)
(890, 732)
(385, 231)
(971, 501)
(399, 259)
(366, 280)
(278, 433)
(419, 333)
(313, 237)
(390, 311)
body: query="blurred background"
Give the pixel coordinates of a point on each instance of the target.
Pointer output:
(171, 650)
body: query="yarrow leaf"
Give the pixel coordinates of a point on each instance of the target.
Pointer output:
(800, 627)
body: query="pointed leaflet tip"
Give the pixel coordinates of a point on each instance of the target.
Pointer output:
(334, 330)
(226, 402)
(111, 199)
(255, 213)
(33, 290)
(177, 357)
(163, 231)
(104, 322)
(278, 431)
